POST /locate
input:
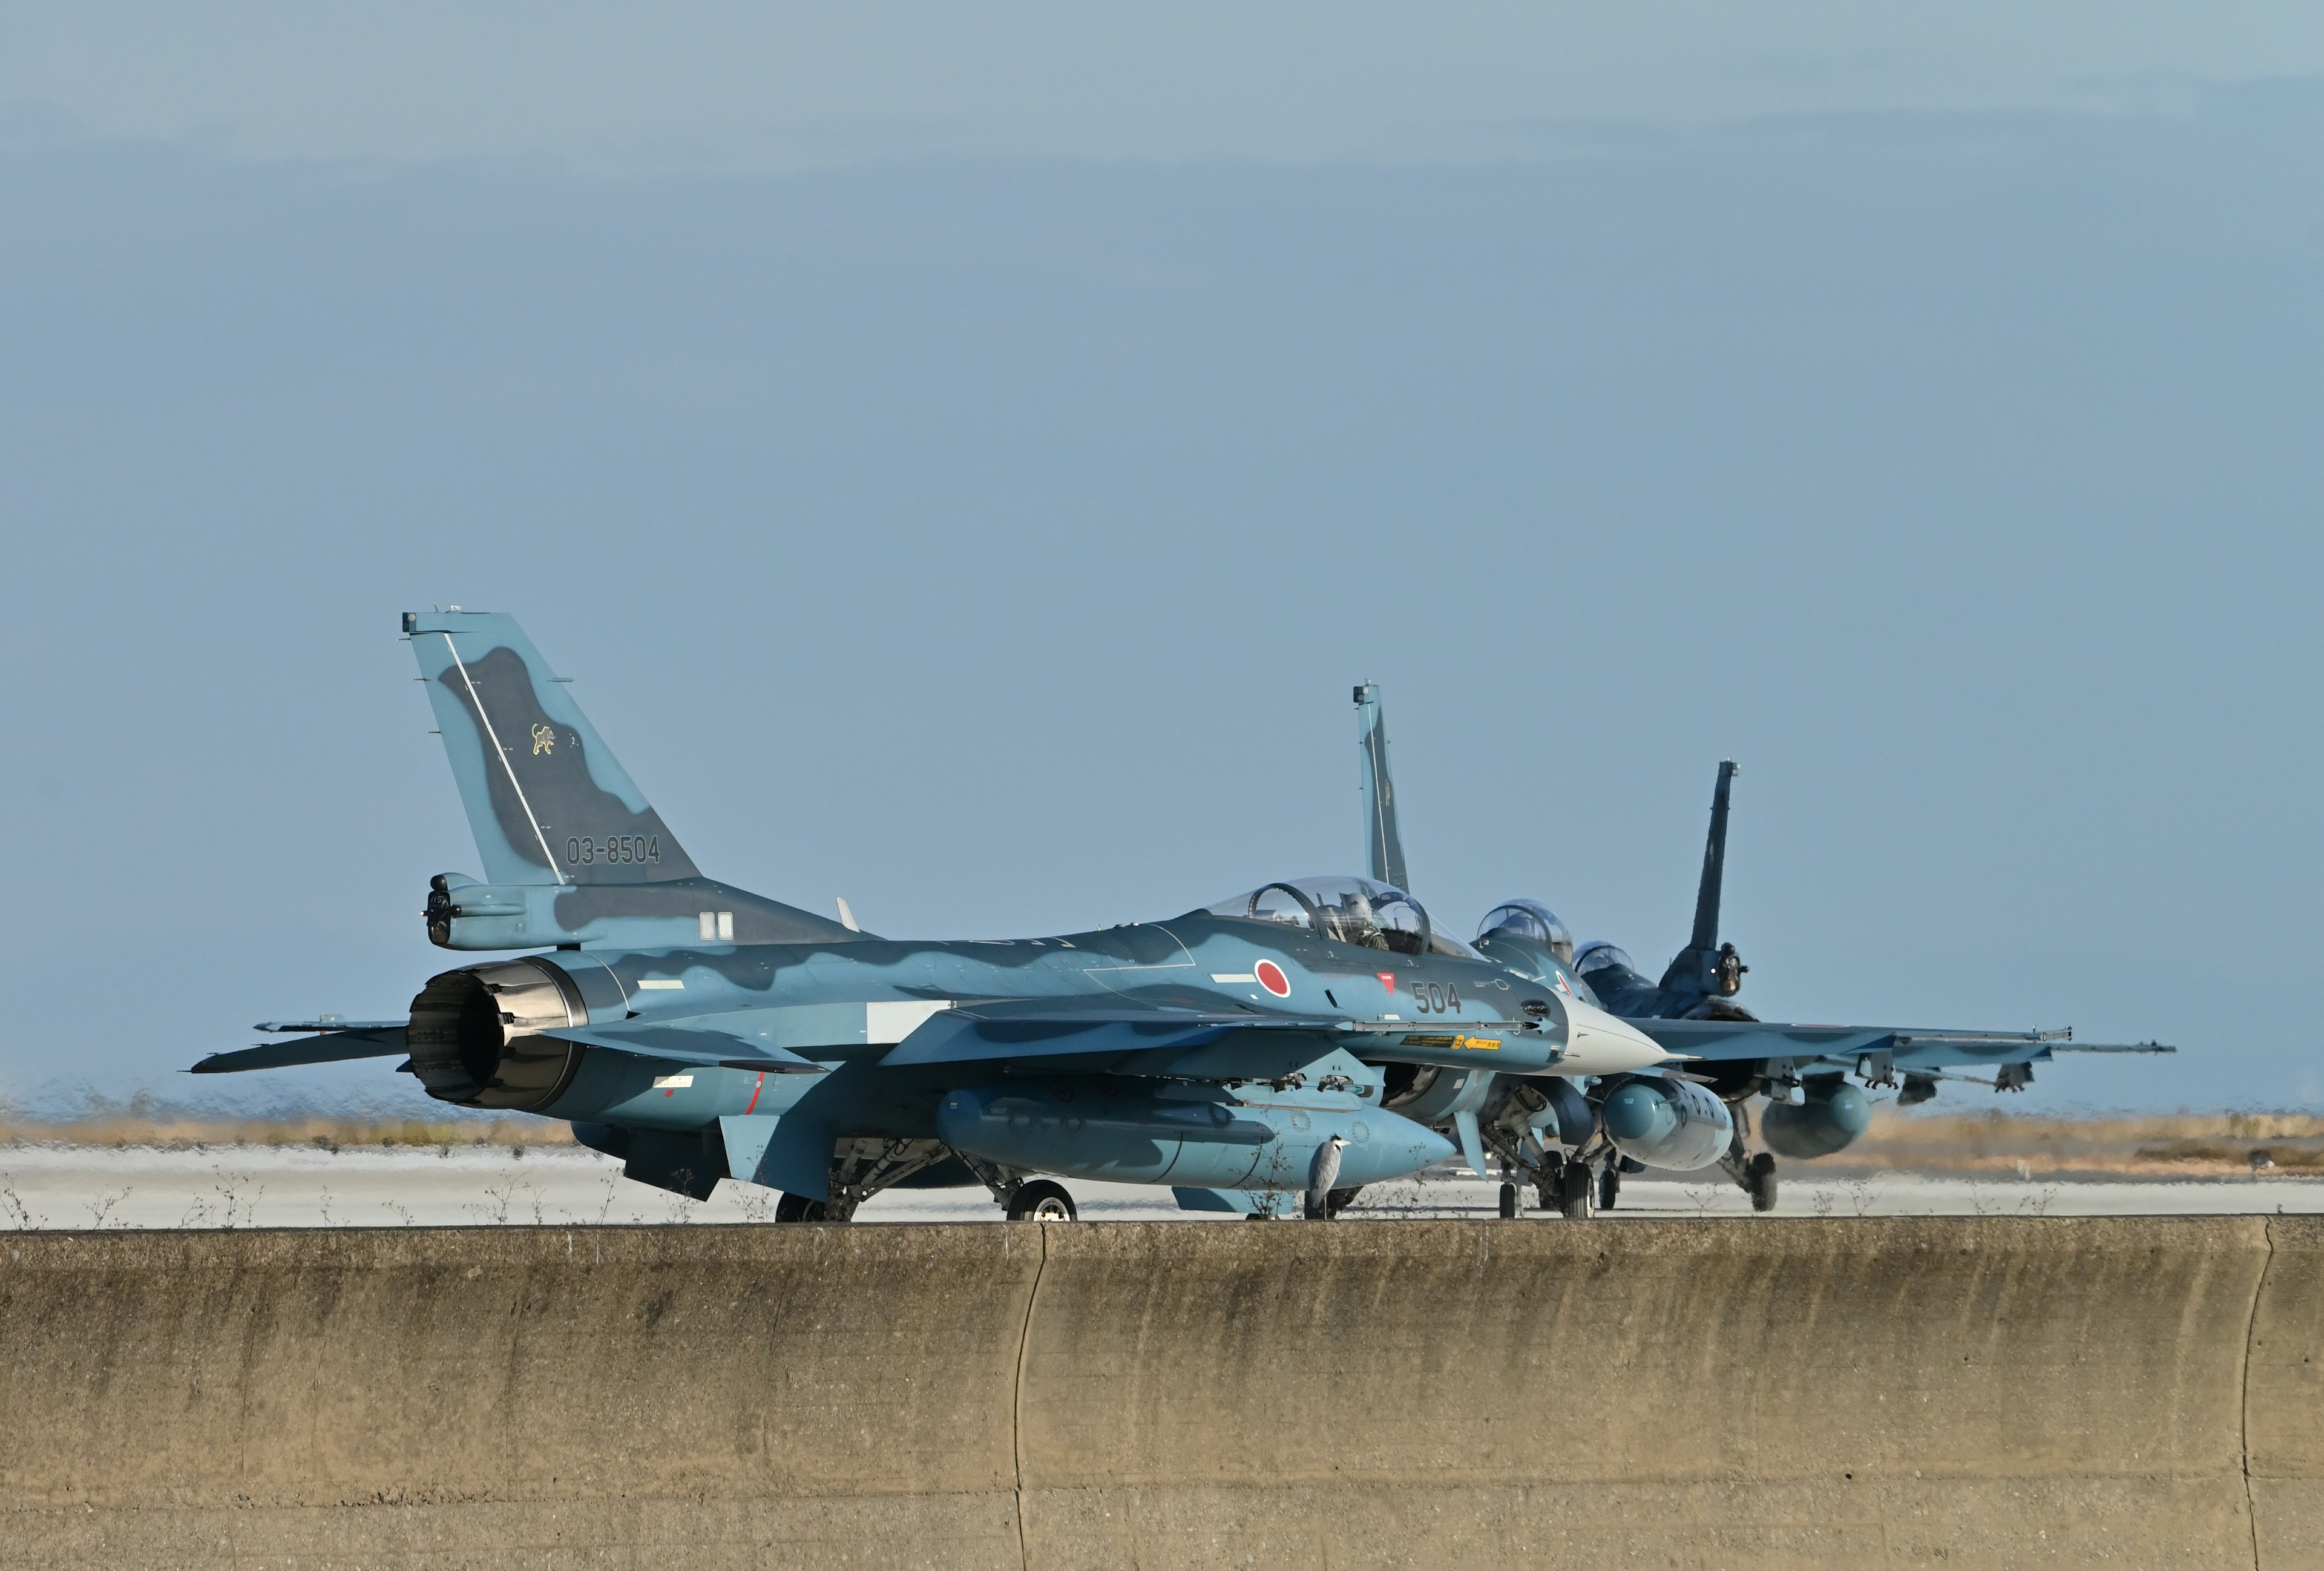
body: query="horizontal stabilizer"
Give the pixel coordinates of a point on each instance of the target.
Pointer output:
(690, 1043)
(366, 1042)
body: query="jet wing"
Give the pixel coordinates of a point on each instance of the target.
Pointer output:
(1160, 1040)
(1724, 1041)
(1126, 1040)
(361, 1039)
(328, 1022)
(711, 1041)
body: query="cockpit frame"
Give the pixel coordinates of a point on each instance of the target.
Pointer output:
(1348, 910)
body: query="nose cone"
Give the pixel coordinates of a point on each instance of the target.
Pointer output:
(1596, 1043)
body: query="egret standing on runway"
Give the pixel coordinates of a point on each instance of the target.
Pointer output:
(1323, 1173)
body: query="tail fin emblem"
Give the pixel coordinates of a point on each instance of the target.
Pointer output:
(544, 740)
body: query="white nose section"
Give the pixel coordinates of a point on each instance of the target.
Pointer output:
(1597, 1043)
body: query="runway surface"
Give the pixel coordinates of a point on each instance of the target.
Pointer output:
(82, 1186)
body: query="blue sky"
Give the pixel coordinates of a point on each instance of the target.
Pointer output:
(966, 464)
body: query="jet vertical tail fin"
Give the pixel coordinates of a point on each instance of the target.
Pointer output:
(1703, 967)
(547, 799)
(1714, 864)
(1383, 845)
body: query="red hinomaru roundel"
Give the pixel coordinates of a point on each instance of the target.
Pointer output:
(1271, 977)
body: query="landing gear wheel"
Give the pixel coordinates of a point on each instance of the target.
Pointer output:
(1759, 1181)
(1509, 1202)
(1610, 1187)
(799, 1208)
(1574, 1186)
(1339, 1200)
(1042, 1201)
(1547, 1190)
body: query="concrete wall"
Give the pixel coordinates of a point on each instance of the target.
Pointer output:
(1729, 1394)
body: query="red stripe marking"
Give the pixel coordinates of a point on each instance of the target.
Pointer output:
(754, 1092)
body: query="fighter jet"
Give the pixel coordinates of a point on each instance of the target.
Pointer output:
(1803, 1071)
(705, 1034)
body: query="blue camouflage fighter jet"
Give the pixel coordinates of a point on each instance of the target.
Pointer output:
(1239, 1053)
(1723, 1052)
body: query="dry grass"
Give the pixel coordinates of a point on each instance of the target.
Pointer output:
(2173, 1145)
(2170, 1145)
(175, 1131)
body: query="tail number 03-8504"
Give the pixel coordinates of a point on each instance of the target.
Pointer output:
(614, 848)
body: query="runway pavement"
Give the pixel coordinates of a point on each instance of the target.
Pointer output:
(84, 1187)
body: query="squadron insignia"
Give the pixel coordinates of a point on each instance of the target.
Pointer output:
(544, 740)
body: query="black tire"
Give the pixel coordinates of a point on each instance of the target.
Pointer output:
(1762, 1171)
(1574, 1187)
(1547, 1190)
(1042, 1201)
(1339, 1200)
(1610, 1187)
(799, 1208)
(1509, 1202)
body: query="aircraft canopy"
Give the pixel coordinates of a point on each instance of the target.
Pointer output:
(1529, 919)
(1346, 910)
(1598, 955)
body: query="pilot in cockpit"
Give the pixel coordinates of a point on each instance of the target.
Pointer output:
(1349, 910)
(1354, 918)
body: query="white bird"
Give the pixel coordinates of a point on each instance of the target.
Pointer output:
(1322, 1176)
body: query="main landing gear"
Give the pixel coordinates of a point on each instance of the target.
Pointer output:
(1561, 1184)
(1753, 1175)
(1022, 1200)
(1042, 1200)
(1577, 1191)
(1546, 1190)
